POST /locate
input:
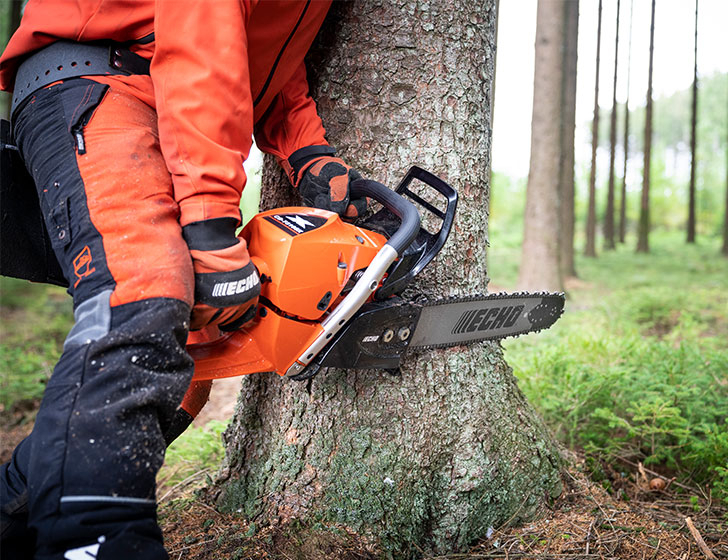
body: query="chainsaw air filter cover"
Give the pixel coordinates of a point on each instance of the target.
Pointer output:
(306, 256)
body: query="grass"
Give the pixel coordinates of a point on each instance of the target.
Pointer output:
(35, 321)
(192, 457)
(637, 369)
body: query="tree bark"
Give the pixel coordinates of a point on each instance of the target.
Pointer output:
(609, 212)
(693, 139)
(623, 199)
(540, 268)
(590, 249)
(427, 461)
(643, 232)
(568, 124)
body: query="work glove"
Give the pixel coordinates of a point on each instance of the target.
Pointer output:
(226, 281)
(323, 181)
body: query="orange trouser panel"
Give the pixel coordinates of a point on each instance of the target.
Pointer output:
(130, 202)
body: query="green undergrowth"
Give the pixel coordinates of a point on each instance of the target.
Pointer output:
(192, 457)
(637, 368)
(34, 321)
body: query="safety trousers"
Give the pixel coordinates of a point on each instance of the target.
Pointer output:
(82, 484)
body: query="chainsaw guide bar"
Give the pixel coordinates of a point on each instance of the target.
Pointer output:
(383, 332)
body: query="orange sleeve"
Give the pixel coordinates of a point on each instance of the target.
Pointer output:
(205, 111)
(291, 122)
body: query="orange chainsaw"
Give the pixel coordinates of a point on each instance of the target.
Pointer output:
(331, 291)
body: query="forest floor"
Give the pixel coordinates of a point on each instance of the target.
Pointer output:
(665, 315)
(634, 522)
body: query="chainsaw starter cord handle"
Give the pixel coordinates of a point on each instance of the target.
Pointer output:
(395, 203)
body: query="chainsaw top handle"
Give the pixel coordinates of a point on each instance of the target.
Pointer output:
(401, 207)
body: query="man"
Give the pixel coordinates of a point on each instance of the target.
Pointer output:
(138, 167)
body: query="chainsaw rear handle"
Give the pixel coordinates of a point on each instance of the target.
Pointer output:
(398, 205)
(372, 276)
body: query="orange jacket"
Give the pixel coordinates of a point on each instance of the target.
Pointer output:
(220, 71)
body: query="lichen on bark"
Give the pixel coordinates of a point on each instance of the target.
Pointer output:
(430, 459)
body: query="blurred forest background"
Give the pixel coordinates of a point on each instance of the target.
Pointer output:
(635, 375)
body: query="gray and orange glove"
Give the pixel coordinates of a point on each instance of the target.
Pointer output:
(226, 281)
(323, 181)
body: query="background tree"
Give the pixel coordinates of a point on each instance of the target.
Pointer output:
(568, 124)
(725, 214)
(590, 249)
(540, 268)
(693, 139)
(643, 230)
(9, 21)
(609, 212)
(623, 198)
(429, 460)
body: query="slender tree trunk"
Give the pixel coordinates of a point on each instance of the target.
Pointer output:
(724, 249)
(623, 199)
(427, 461)
(14, 13)
(568, 124)
(591, 218)
(16, 8)
(693, 139)
(609, 213)
(643, 233)
(540, 268)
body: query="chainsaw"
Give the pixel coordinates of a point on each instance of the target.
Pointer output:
(332, 292)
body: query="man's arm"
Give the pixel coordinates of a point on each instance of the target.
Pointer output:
(292, 131)
(205, 116)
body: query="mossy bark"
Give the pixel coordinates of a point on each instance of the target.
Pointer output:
(429, 460)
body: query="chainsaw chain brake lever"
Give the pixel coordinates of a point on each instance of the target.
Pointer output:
(425, 245)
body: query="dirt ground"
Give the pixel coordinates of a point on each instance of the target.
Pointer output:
(644, 517)
(586, 522)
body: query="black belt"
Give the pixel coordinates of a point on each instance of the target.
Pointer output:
(65, 59)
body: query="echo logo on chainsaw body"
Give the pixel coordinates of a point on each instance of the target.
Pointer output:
(484, 319)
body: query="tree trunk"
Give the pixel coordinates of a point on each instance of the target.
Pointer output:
(540, 267)
(609, 213)
(590, 249)
(724, 249)
(14, 13)
(693, 139)
(623, 199)
(643, 232)
(568, 124)
(429, 460)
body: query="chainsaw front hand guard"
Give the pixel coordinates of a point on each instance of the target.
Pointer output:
(425, 245)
